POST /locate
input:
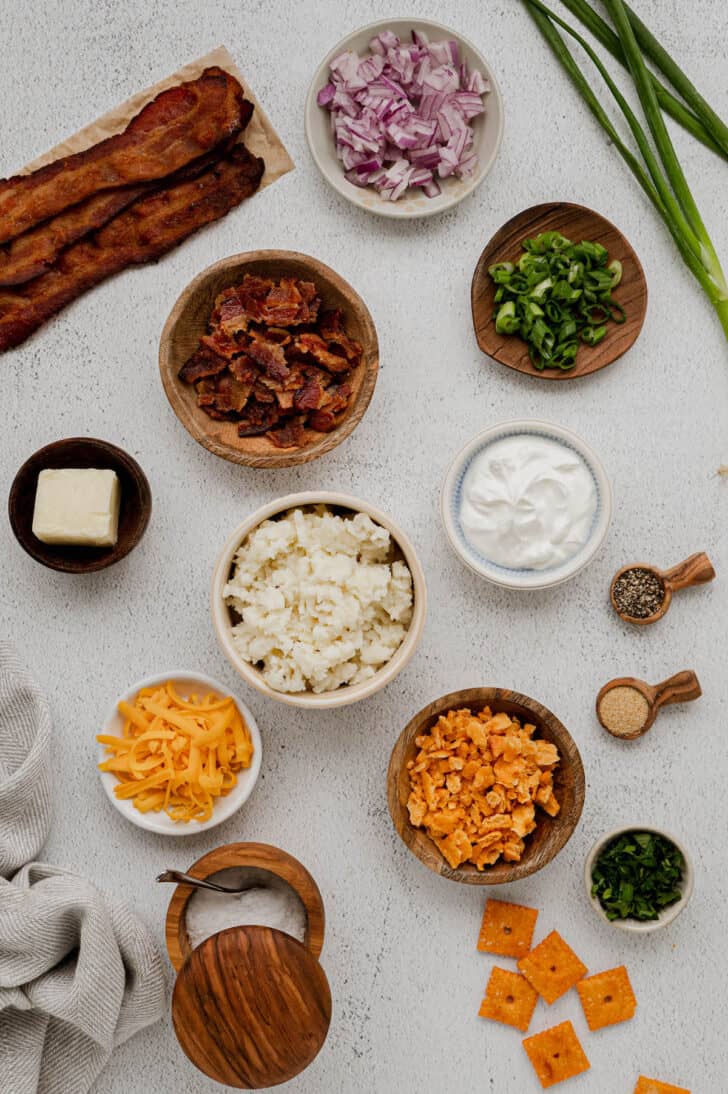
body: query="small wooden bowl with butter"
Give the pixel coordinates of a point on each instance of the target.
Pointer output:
(81, 454)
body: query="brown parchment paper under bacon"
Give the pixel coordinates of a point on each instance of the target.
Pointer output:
(259, 136)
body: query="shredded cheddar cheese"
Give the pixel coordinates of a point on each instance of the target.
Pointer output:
(177, 755)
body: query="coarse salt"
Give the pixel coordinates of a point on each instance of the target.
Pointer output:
(268, 901)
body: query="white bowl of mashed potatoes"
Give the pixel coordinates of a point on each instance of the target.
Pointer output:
(318, 599)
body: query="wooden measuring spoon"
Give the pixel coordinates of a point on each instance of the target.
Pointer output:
(695, 570)
(680, 688)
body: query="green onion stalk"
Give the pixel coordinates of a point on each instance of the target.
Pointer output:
(662, 179)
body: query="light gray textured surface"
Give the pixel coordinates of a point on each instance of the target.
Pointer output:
(400, 943)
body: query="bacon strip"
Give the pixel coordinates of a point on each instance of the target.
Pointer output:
(35, 251)
(181, 124)
(143, 232)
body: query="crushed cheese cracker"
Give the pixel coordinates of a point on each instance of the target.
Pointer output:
(475, 783)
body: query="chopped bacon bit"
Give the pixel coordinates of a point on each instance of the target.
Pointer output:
(288, 436)
(243, 369)
(203, 362)
(257, 419)
(309, 397)
(275, 379)
(322, 420)
(269, 355)
(331, 328)
(316, 347)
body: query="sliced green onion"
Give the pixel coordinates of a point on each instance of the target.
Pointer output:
(555, 296)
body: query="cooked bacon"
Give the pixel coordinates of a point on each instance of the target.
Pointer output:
(323, 421)
(269, 355)
(145, 231)
(181, 124)
(331, 329)
(309, 397)
(285, 305)
(243, 369)
(203, 362)
(257, 419)
(337, 397)
(221, 343)
(274, 341)
(289, 435)
(34, 252)
(314, 345)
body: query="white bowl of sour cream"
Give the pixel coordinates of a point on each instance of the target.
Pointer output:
(526, 504)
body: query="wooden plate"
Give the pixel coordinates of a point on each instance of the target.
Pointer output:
(188, 320)
(134, 510)
(264, 857)
(577, 223)
(551, 833)
(251, 1007)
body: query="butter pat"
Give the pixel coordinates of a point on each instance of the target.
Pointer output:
(78, 506)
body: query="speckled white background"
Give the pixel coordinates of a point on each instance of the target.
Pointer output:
(400, 942)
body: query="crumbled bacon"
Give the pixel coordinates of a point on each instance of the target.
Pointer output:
(270, 362)
(203, 362)
(289, 435)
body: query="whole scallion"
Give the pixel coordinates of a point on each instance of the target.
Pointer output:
(662, 179)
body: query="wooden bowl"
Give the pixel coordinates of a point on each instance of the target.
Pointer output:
(134, 512)
(263, 856)
(188, 321)
(577, 223)
(223, 619)
(551, 833)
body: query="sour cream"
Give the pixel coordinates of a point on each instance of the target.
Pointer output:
(527, 503)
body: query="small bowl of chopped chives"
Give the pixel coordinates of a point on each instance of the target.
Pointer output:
(638, 878)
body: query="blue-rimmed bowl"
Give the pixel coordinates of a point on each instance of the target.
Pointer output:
(521, 578)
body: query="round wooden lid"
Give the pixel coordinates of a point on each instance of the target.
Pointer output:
(251, 1007)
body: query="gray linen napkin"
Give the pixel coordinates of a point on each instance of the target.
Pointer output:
(77, 975)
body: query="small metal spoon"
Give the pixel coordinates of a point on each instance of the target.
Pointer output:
(178, 878)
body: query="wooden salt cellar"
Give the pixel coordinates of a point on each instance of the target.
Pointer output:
(680, 688)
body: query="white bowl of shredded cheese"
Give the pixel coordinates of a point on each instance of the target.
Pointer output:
(318, 600)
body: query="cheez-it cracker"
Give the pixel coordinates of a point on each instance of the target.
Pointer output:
(654, 1086)
(552, 967)
(556, 1054)
(509, 998)
(506, 929)
(607, 998)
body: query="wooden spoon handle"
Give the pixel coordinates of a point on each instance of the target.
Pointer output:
(679, 688)
(696, 570)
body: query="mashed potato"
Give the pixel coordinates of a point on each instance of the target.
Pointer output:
(319, 603)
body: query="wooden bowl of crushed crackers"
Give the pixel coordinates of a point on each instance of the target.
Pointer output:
(485, 786)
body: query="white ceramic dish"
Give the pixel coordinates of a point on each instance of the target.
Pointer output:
(344, 695)
(514, 578)
(488, 127)
(636, 926)
(185, 683)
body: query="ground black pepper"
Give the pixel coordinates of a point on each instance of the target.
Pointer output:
(639, 593)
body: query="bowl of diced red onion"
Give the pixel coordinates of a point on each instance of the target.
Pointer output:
(404, 118)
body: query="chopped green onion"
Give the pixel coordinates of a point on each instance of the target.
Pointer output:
(556, 295)
(664, 183)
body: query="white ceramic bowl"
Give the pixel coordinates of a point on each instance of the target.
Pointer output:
(185, 683)
(501, 575)
(344, 695)
(487, 127)
(636, 926)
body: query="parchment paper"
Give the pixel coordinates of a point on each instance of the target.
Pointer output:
(260, 136)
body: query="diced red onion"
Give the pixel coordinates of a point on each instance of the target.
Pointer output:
(400, 115)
